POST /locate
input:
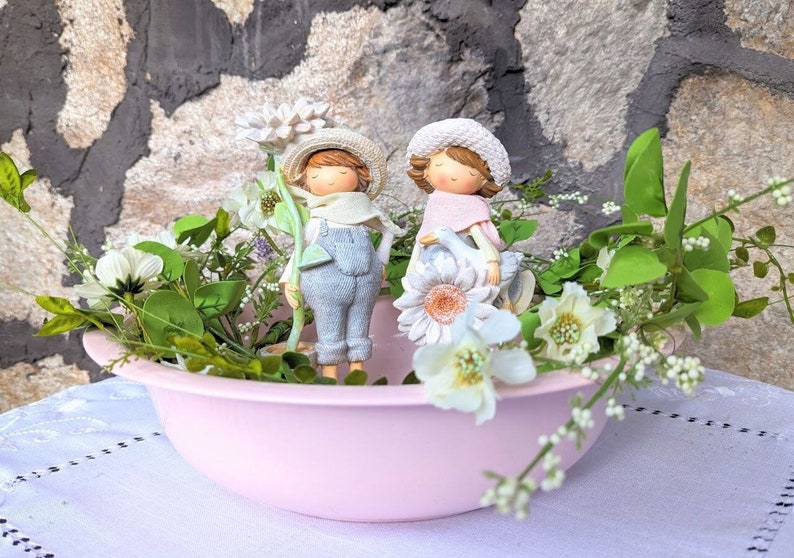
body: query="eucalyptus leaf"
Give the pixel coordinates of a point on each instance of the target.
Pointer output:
(766, 235)
(356, 378)
(721, 296)
(305, 374)
(742, 254)
(173, 265)
(751, 308)
(633, 265)
(643, 175)
(217, 298)
(720, 228)
(688, 290)
(549, 282)
(760, 269)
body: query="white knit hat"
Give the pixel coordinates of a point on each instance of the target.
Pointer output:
(463, 132)
(298, 152)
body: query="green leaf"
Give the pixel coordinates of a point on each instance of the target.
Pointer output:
(549, 282)
(720, 228)
(600, 237)
(382, 381)
(191, 276)
(56, 305)
(721, 296)
(356, 378)
(766, 235)
(674, 223)
(295, 359)
(194, 229)
(742, 254)
(643, 175)
(633, 265)
(751, 308)
(628, 215)
(305, 374)
(714, 257)
(11, 183)
(173, 265)
(283, 218)
(61, 324)
(688, 289)
(166, 313)
(568, 266)
(411, 379)
(675, 316)
(518, 230)
(694, 326)
(27, 178)
(222, 224)
(760, 269)
(530, 321)
(218, 298)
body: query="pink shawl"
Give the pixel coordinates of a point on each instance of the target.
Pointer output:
(459, 212)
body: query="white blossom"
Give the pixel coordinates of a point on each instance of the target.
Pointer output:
(121, 272)
(254, 204)
(461, 374)
(570, 325)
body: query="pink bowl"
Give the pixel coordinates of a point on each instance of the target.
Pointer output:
(374, 453)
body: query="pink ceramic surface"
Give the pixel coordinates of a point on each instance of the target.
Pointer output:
(378, 453)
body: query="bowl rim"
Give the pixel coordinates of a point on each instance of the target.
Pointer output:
(102, 349)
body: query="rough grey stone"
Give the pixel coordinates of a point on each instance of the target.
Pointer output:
(374, 78)
(95, 36)
(736, 136)
(581, 61)
(34, 264)
(25, 382)
(236, 10)
(767, 26)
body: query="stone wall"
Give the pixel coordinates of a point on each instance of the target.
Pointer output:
(126, 108)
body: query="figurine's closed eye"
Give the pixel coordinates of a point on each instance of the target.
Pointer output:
(438, 164)
(342, 172)
(316, 175)
(473, 173)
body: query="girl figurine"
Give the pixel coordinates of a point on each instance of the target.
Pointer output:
(337, 173)
(461, 164)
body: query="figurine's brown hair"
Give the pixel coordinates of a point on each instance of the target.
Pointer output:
(463, 156)
(337, 158)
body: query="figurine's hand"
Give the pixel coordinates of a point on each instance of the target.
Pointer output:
(494, 276)
(293, 295)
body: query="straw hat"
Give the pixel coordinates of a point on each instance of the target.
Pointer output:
(295, 156)
(463, 132)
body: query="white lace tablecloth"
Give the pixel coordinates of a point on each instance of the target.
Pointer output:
(86, 473)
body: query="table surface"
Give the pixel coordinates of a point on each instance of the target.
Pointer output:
(87, 473)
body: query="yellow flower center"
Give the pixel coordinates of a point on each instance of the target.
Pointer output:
(444, 302)
(566, 330)
(268, 203)
(468, 365)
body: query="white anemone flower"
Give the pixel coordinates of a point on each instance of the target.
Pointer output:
(571, 325)
(436, 292)
(275, 127)
(460, 375)
(255, 204)
(118, 273)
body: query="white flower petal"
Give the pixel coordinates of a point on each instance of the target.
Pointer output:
(430, 360)
(513, 366)
(500, 326)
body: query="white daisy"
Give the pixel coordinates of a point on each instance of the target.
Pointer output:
(436, 292)
(275, 127)
(254, 204)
